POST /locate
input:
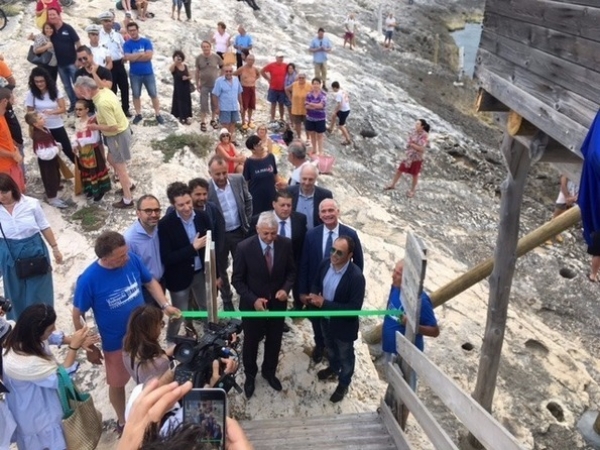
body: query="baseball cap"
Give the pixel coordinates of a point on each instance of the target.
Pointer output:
(279, 54)
(106, 15)
(223, 131)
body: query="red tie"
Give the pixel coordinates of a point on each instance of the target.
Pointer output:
(269, 258)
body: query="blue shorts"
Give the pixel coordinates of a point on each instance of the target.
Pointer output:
(148, 81)
(388, 35)
(274, 96)
(318, 126)
(229, 117)
(342, 117)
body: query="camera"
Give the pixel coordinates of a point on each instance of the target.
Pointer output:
(5, 304)
(196, 356)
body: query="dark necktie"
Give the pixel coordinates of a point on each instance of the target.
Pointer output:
(282, 228)
(328, 245)
(269, 258)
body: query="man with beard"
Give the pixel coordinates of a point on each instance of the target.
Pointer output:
(101, 75)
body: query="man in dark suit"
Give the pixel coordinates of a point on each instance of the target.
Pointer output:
(182, 237)
(199, 189)
(292, 225)
(317, 247)
(230, 193)
(263, 274)
(306, 196)
(339, 286)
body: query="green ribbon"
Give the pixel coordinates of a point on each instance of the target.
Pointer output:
(302, 314)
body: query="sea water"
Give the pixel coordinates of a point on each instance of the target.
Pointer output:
(468, 38)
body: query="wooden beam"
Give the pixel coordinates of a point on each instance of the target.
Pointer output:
(578, 108)
(389, 421)
(572, 19)
(516, 125)
(486, 102)
(487, 429)
(566, 131)
(436, 434)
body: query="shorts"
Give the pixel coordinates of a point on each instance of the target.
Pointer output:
(116, 373)
(414, 169)
(148, 81)
(342, 117)
(348, 35)
(318, 126)
(296, 119)
(388, 35)
(594, 248)
(229, 117)
(205, 103)
(274, 96)
(248, 97)
(119, 146)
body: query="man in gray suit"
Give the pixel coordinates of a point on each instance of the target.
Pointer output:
(230, 193)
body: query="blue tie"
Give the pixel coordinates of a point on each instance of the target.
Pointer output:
(282, 228)
(328, 245)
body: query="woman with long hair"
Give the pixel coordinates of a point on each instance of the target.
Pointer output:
(45, 98)
(42, 43)
(143, 356)
(30, 374)
(22, 226)
(90, 153)
(418, 140)
(181, 106)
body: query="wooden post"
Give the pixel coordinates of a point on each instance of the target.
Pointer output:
(210, 279)
(518, 162)
(436, 49)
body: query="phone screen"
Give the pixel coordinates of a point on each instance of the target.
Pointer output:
(207, 408)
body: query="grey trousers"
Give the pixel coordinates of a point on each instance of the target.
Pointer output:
(181, 300)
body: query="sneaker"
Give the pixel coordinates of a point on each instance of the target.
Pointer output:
(339, 393)
(137, 119)
(160, 120)
(326, 374)
(58, 203)
(122, 205)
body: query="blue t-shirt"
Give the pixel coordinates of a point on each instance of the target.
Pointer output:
(112, 294)
(321, 56)
(242, 41)
(391, 324)
(140, 46)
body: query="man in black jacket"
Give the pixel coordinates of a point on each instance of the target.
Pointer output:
(182, 236)
(307, 196)
(339, 285)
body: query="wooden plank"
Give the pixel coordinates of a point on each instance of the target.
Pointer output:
(327, 446)
(571, 19)
(565, 130)
(415, 263)
(486, 103)
(310, 440)
(368, 417)
(487, 429)
(438, 437)
(393, 426)
(572, 105)
(578, 50)
(349, 428)
(570, 76)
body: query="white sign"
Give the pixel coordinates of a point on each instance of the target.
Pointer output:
(415, 263)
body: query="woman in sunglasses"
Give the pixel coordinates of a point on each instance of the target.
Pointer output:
(226, 149)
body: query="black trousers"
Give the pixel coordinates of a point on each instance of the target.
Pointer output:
(254, 331)
(232, 239)
(121, 81)
(187, 5)
(60, 135)
(50, 174)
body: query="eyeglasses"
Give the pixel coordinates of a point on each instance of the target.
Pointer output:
(225, 135)
(151, 211)
(83, 58)
(336, 252)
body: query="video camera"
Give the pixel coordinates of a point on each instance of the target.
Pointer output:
(5, 304)
(196, 356)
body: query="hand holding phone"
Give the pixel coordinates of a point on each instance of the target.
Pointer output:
(207, 408)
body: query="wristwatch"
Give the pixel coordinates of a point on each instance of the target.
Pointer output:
(165, 306)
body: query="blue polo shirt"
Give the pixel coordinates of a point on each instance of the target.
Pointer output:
(321, 56)
(140, 46)
(227, 92)
(242, 41)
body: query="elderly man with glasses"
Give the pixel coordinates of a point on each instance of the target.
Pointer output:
(227, 99)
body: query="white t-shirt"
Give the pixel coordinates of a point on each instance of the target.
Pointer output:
(221, 41)
(342, 98)
(390, 24)
(351, 25)
(52, 121)
(100, 54)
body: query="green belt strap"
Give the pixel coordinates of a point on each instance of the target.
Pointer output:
(274, 314)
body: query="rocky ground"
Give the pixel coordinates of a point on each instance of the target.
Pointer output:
(548, 357)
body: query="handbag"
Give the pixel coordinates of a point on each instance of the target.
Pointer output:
(28, 267)
(43, 59)
(82, 422)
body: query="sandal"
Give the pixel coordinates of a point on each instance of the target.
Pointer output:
(214, 124)
(410, 194)
(389, 188)
(202, 126)
(346, 143)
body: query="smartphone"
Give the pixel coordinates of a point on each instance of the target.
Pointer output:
(207, 408)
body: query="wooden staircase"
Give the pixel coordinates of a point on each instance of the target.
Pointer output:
(364, 431)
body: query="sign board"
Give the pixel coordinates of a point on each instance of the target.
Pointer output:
(415, 263)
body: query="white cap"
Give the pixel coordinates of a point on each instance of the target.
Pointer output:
(106, 15)
(279, 54)
(223, 131)
(92, 29)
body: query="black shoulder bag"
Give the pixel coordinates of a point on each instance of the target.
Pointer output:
(28, 267)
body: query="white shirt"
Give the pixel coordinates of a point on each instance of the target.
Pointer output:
(113, 41)
(228, 206)
(221, 41)
(334, 236)
(351, 25)
(100, 54)
(52, 121)
(390, 24)
(27, 219)
(342, 98)
(287, 226)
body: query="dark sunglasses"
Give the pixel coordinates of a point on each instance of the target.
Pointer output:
(225, 135)
(151, 211)
(83, 58)
(336, 252)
